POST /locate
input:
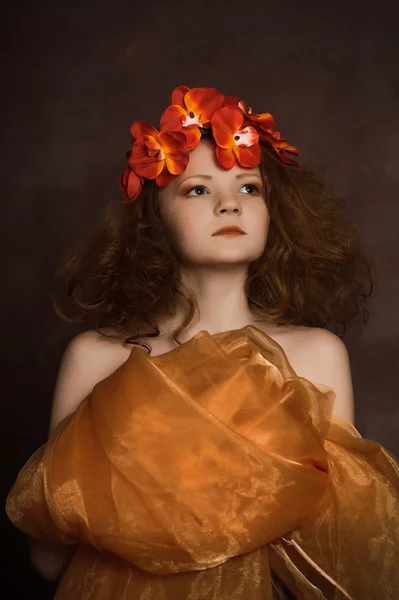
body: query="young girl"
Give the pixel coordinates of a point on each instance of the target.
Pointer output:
(216, 457)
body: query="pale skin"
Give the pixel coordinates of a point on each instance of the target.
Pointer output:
(197, 203)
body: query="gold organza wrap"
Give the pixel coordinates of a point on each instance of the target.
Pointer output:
(205, 472)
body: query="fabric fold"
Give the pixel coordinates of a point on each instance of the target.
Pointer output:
(207, 472)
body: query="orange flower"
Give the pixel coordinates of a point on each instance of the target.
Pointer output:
(264, 124)
(234, 143)
(157, 155)
(131, 184)
(281, 145)
(190, 110)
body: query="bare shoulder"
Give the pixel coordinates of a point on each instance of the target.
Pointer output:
(314, 337)
(321, 357)
(94, 355)
(94, 345)
(319, 345)
(89, 358)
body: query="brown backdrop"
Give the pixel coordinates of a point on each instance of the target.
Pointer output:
(77, 74)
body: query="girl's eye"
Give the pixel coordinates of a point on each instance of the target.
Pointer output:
(251, 188)
(199, 190)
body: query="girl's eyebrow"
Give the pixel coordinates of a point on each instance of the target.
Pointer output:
(196, 176)
(248, 175)
(210, 176)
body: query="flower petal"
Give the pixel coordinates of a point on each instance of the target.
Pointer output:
(140, 128)
(225, 122)
(263, 121)
(292, 150)
(193, 137)
(130, 184)
(248, 157)
(278, 142)
(230, 100)
(144, 165)
(226, 157)
(287, 148)
(176, 164)
(284, 144)
(153, 147)
(171, 118)
(175, 149)
(170, 140)
(134, 185)
(203, 102)
(164, 178)
(178, 95)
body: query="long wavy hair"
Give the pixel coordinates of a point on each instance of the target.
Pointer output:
(124, 276)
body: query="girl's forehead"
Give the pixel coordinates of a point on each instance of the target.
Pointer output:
(203, 155)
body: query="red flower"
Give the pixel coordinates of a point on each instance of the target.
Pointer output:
(234, 143)
(157, 155)
(131, 184)
(264, 124)
(190, 110)
(234, 101)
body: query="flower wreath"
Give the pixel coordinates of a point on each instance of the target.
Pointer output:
(161, 155)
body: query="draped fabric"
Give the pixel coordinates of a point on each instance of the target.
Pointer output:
(214, 472)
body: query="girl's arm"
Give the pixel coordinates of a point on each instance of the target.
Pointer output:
(86, 361)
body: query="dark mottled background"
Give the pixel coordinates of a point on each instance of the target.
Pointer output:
(76, 74)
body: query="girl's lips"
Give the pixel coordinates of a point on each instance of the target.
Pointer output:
(230, 233)
(229, 229)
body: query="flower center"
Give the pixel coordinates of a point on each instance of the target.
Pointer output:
(190, 119)
(246, 137)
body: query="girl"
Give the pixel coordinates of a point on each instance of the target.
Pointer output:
(214, 458)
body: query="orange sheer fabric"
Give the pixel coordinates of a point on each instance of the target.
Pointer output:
(205, 472)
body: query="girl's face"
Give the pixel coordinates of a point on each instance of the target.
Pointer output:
(206, 197)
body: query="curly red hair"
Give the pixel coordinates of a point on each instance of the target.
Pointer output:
(313, 271)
